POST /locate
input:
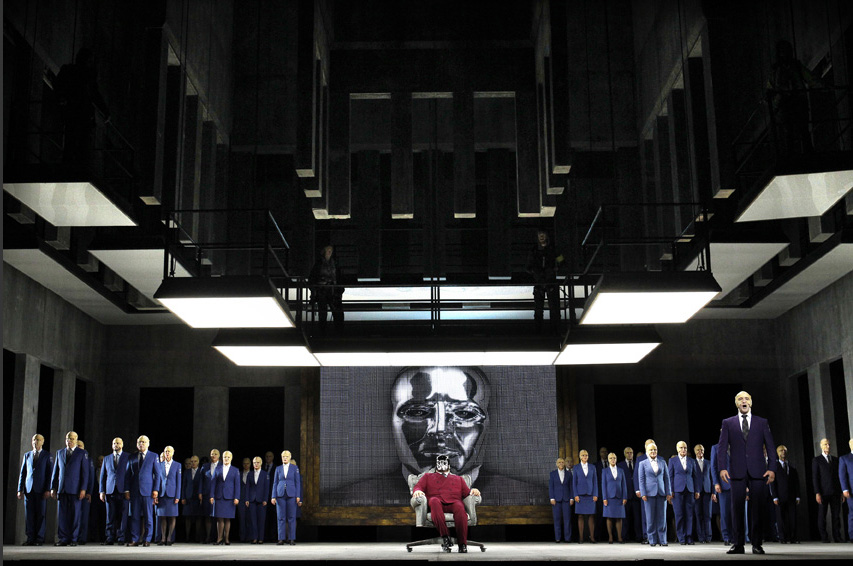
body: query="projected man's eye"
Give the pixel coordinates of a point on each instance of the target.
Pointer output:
(415, 412)
(468, 415)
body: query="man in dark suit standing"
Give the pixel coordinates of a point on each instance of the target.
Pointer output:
(111, 489)
(785, 492)
(827, 488)
(287, 485)
(257, 493)
(560, 494)
(722, 496)
(82, 535)
(684, 492)
(703, 486)
(68, 485)
(845, 474)
(34, 489)
(600, 466)
(191, 492)
(741, 462)
(271, 520)
(633, 524)
(141, 489)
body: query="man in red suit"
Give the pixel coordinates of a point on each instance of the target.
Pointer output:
(444, 493)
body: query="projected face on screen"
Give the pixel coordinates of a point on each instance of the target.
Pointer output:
(440, 411)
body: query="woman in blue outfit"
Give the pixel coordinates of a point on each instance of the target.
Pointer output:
(224, 496)
(585, 487)
(615, 495)
(170, 495)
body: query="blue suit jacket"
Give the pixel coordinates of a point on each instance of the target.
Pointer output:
(681, 479)
(36, 478)
(225, 487)
(71, 476)
(702, 478)
(90, 487)
(614, 488)
(746, 458)
(257, 492)
(629, 478)
(560, 491)
(654, 484)
(112, 477)
(845, 472)
(715, 471)
(143, 480)
(192, 486)
(585, 484)
(291, 486)
(637, 461)
(170, 486)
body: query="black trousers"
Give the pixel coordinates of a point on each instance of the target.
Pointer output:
(757, 497)
(786, 521)
(832, 503)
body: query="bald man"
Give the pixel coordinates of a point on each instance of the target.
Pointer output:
(111, 490)
(68, 485)
(142, 486)
(827, 488)
(34, 489)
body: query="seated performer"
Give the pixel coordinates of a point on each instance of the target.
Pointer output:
(444, 492)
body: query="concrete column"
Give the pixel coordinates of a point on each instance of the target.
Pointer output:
(823, 415)
(847, 362)
(24, 421)
(669, 416)
(211, 419)
(64, 385)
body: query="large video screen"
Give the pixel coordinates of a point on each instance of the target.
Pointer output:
(378, 425)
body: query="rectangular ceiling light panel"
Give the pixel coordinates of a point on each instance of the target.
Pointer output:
(395, 359)
(583, 354)
(69, 204)
(269, 355)
(229, 312)
(796, 196)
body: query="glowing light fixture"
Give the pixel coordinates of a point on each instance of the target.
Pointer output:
(796, 196)
(649, 297)
(395, 359)
(608, 345)
(225, 302)
(262, 347)
(69, 204)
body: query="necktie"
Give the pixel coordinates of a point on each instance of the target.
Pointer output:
(35, 457)
(67, 454)
(141, 457)
(745, 427)
(631, 465)
(115, 459)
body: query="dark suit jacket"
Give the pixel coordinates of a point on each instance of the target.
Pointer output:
(35, 478)
(560, 491)
(845, 472)
(702, 478)
(71, 476)
(629, 478)
(145, 479)
(787, 485)
(225, 487)
(90, 487)
(682, 479)
(291, 486)
(170, 486)
(637, 461)
(825, 476)
(715, 471)
(746, 457)
(112, 477)
(614, 488)
(257, 492)
(585, 484)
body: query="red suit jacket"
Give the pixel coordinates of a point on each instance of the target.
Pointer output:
(448, 489)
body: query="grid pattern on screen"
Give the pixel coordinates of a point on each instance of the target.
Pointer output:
(359, 464)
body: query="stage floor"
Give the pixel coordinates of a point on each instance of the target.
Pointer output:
(497, 551)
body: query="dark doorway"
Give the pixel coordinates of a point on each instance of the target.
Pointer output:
(619, 421)
(256, 423)
(166, 418)
(80, 405)
(707, 406)
(808, 452)
(44, 419)
(8, 396)
(839, 406)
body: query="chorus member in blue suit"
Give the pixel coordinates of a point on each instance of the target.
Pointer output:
(142, 483)
(656, 490)
(206, 482)
(827, 488)
(224, 497)
(68, 483)
(242, 519)
(170, 495)
(257, 490)
(640, 457)
(34, 489)
(286, 487)
(785, 492)
(702, 484)
(845, 476)
(681, 472)
(191, 494)
(560, 494)
(614, 495)
(112, 489)
(723, 495)
(632, 525)
(585, 488)
(743, 439)
(81, 535)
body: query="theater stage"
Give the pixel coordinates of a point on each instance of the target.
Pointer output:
(498, 551)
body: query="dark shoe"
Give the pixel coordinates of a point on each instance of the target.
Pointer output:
(28, 543)
(644, 541)
(463, 548)
(757, 549)
(82, 543)
(292, 542)
(73, 544)
(169, 543)
(132, 544)
(610, 541)
(735, 549)
(664, 544)
(39, 543)
(161, 543)
(621, 542)
(558, 542)
(446, 543)
(227, 543)
(280, 543)
(651, 545)
(60, 543)
(146, 543)
(690, 541)
(683, 543)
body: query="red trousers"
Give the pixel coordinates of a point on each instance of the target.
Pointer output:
(460, 517)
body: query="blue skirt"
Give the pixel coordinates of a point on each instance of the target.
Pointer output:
(166, 507)
(224, 508)
(614, 509)
(586, 506)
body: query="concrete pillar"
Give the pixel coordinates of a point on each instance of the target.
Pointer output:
(669, 416)
(64, 385)
(24, 421)
(823, 415)
(211, 419)
(847, 362)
